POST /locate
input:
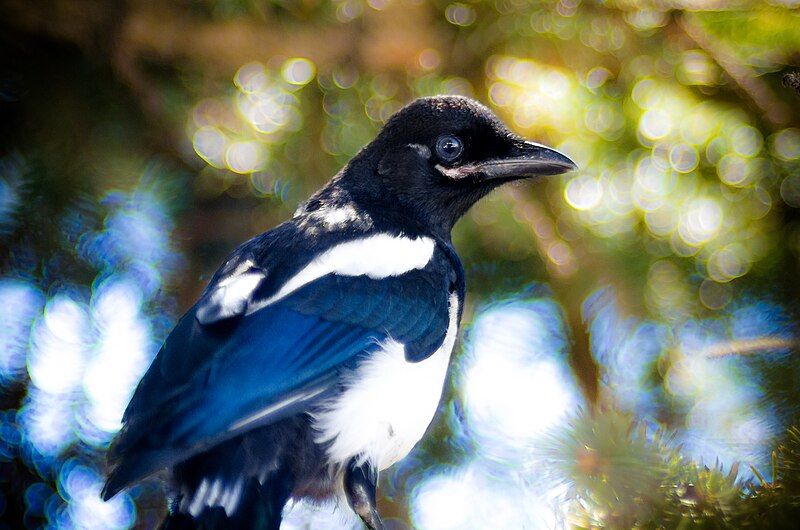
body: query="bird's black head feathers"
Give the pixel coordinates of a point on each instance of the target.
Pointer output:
(437, 157)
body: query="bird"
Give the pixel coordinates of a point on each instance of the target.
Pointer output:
(316, 356)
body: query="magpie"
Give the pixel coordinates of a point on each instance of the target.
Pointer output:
(317, 354)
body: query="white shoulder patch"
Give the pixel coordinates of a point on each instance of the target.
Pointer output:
(231, 295)
(377, 256)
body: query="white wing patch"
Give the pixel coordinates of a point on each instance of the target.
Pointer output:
(263, 413)
(387, 405)
(231, 295)
(377, 256)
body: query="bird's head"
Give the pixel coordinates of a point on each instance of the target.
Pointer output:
(438, 156)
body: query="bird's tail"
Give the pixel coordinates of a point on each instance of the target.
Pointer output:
(256, 508)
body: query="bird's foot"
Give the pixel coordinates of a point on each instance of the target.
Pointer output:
(360, 482)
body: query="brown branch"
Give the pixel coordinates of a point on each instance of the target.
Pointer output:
(165, 32)
(749, 346)
(131, 33)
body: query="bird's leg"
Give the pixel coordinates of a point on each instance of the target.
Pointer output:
(360, 482)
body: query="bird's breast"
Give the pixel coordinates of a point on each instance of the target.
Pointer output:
(387, 403)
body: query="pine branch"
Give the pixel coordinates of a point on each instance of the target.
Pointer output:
(621, 476)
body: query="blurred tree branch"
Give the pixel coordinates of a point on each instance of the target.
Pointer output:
(167, 34)
(162, 31)
(776, 112)
(569, 287)
(749, 346)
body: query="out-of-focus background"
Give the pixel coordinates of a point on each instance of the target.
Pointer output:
(630, 348)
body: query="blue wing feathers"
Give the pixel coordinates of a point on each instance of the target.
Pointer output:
(207, 378)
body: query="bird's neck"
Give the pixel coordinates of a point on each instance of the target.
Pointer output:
(377, 209)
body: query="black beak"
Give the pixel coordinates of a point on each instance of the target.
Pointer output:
(527, 159)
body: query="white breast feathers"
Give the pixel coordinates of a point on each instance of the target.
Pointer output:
(387, 403)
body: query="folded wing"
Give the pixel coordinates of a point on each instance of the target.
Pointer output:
(213, 381)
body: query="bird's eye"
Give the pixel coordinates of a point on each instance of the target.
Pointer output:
(449, 148)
